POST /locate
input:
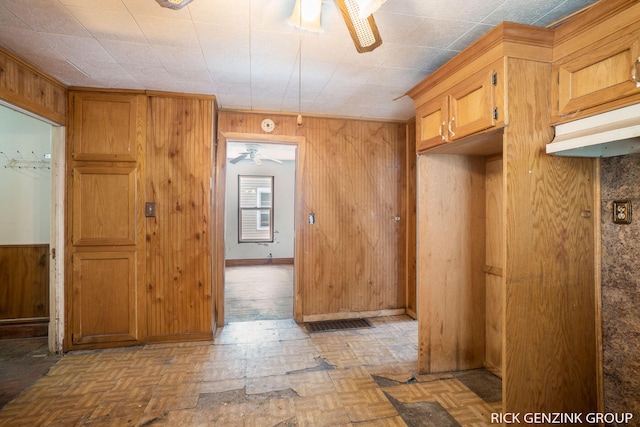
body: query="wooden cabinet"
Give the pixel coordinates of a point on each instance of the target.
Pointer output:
(136, 279)
(505, 243)
(105, 221)
(597, 62)
(467, 108)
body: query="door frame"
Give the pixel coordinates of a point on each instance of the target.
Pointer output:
(219, 206)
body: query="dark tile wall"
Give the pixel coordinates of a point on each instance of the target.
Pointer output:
(620, 180)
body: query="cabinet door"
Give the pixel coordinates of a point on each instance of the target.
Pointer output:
(432, 124)
(597, 75)
(105, 126)
(471, 105)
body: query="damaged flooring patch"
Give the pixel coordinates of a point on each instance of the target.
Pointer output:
(208, 400)
(423, 414)
(483, 383)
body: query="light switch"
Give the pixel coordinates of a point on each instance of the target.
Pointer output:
(150, 209)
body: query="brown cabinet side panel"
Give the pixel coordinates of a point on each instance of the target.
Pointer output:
(550, 348)
(178, 170)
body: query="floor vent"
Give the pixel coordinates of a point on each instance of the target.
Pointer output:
(337, 325)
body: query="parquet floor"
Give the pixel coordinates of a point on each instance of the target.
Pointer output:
(260, 373)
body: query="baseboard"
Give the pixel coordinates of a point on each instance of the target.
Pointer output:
(353, 315)
(27, 329)
(257, 261)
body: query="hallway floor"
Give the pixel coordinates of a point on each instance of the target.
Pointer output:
(258, 292)
(261, 373)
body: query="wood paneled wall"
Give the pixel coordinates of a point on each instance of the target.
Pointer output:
(355, 182)
(25, 87)
(178, 170)
(24, 282)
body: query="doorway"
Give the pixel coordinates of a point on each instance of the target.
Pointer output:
(277, 158)
(259, 231)
(32, 179)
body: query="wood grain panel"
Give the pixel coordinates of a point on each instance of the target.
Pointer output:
(410, 199)
(105, 126)
(494, 264)
(105, 225)
(24, 281)
(27, 88)
(104, 292)
(178, 162)
(104, 208)
(549, 271)
(354, 182)
(451, 252)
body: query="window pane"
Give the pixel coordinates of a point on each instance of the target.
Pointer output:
(255, 210)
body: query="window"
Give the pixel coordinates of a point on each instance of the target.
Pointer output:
(255, 208)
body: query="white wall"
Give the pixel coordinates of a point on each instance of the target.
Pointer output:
(283, 213)
(25, 193)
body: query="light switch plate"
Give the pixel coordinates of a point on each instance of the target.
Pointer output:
(622, 211)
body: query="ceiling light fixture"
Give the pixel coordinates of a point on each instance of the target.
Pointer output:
(306, 15)
(173, 4)
(363, 30)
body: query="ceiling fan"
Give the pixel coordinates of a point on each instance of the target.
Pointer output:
(253, 155)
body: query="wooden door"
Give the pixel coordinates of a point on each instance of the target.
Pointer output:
(472, 104)
(178, 289)
(106, 239)
(596, 75)
(433, 118)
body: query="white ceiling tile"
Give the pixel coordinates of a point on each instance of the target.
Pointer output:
(220, 37)
(474, 33)
(37, 15)
(102, 5)
(80, 50)
(109, 25)
(233, 13)
(396, 27)
(131, 53)
(437, 33)
(181, 58)
(167, 32)
(8, 19)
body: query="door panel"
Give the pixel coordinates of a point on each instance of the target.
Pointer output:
(107, 127)
(104, 294)
(471, 106)
(104, 211)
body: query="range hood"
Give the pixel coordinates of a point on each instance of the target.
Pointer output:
(614, 133)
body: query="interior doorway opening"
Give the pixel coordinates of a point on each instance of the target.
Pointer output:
(259, 231)
(31, 227)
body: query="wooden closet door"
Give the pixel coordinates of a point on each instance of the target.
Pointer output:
(106, 220)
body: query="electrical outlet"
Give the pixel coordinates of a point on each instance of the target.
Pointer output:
(622, 211)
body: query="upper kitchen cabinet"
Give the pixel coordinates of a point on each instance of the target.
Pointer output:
(596, 64)
(466, 97)
(464, 110)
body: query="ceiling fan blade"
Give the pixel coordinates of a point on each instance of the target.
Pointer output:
(363, 31)
(240, 157)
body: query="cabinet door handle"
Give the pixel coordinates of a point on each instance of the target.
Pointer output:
(450, 128)
(440, 130)
(634, 73)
